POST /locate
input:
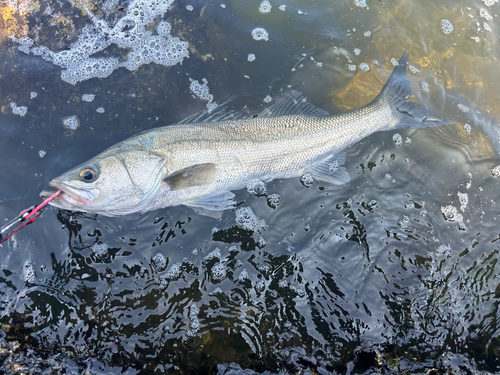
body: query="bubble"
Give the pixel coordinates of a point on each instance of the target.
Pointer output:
(283, 284)
(42, 153)
(33, 95)
(444, 250)
(99, 249)
(218, 272)
(260, 33)
(273, 200)
(267, 99)
(307, 180)
(190, 8)
(215, 254)
(202, 91)
(351, 67)
(256, 187)
(88, 97)
(446, 26)
(463, 108)
(243, 276)
(357, 51)
(260, 286)
(131, 33)
(361, 4)
(174, 272)
(407, 141)
(265, 7)
(100, 110)
(364, 67)
(424, 86)
(251, 57)
(159, 262)
(29, 273)
(451, 214)
(489, 3)
(71, 122)
(194, 325)
(484, 14)
(412, 69)
(246, 219)
(463, 198)
(367, 33)
(282, 7)
(397, 139)
(18, 110)
(495, 172)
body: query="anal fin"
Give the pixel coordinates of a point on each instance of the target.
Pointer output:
(331, 170)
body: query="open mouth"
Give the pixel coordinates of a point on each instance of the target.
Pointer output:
(68, 199)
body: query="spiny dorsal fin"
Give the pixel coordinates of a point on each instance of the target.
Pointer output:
(292, 103)
(195, 175)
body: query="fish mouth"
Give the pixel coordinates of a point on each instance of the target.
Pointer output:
(70, 198)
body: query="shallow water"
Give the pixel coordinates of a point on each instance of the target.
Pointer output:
(372, 276)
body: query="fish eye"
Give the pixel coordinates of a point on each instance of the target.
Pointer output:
(88, 174)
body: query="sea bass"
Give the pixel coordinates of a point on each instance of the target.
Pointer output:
(199, 164)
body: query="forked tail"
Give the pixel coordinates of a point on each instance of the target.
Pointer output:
(396, 91)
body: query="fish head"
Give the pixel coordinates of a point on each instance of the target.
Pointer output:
(116, 182)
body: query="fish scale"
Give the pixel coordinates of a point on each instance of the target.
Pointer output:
(199, 164)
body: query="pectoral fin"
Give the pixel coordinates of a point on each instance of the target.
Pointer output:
(195, 175)
(212, 205)
(331, 170)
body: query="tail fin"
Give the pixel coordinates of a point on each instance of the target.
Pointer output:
(408, 115)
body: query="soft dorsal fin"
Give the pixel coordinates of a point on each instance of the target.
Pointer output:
(195, 175)
(292, 103)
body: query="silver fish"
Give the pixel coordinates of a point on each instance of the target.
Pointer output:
(199, 164)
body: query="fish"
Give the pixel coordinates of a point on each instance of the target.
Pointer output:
(200, 164)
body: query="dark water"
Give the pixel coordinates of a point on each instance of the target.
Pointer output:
(376, 276)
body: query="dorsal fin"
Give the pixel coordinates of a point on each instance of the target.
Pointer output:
(292, 103)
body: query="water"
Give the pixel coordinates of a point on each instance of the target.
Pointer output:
(371, 276)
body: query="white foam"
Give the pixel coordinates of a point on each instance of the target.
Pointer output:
(260, 33)
(464, 200)
(265, 7)
(100, 110)
(446, 26)
(251, 57)
(134, 32)
(99, 249)
(397, 139)
(159, 262)
(218, 272)
(88, 97)
(203, 92)
(307, 180)
(29, 273)
(256, 187)
(41, 153)
(364, 67)
(18, 110)
(495, 172)
(273, 200)
(33, 95)
(246, 219)
(71, 122)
